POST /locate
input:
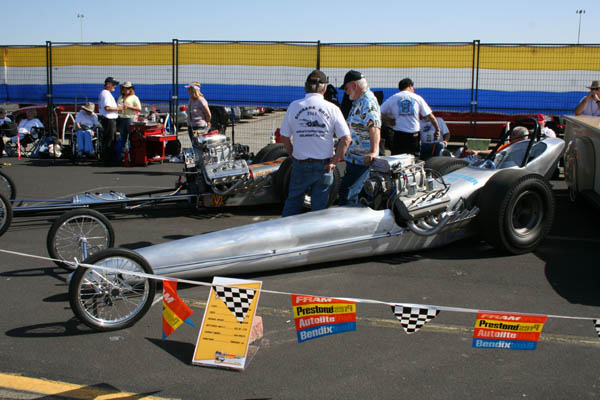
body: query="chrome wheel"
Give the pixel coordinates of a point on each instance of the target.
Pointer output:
(110, 300)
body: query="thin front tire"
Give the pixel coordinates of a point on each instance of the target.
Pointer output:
(111, 300)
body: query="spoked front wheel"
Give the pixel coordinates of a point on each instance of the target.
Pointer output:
(5, 214)
(7, 186)
(78, 233)
(111, 300)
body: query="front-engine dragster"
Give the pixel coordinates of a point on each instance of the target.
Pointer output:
(408, 205)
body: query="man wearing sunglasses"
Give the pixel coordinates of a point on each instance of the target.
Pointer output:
(590, 104)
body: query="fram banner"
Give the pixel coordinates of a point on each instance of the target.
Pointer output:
(322, 316)
(507, 331)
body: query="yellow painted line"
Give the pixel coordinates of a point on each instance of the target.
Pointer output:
(67, 390)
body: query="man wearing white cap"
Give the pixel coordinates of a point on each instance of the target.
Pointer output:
(589, 104)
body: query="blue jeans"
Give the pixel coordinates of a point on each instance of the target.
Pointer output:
(84, 142)
(308, 175)
(352, 183)
(124, 129)
(429, 150)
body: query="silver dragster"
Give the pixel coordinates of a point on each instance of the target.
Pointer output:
(408, 204)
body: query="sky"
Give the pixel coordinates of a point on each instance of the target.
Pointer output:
(34, 22)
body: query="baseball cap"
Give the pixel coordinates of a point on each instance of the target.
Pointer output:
(127, 85)
(351, 76)
(112, 80)
(540, 118)
(316, 77)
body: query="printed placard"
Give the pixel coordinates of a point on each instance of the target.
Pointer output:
(322, 316)
(224, 335)
(507, 331)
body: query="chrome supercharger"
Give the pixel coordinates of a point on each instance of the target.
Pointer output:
(420, 198)
(215, 166)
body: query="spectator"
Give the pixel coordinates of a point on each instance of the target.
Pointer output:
(364, 121)
(312, 122)
(430, 146)
(107, 106)
(198, 112)
(85, 121)
(404, 109)
(26, 132)
(131, 106)
(547, 132)
(3, 128)
(589, 104)
(3, 117)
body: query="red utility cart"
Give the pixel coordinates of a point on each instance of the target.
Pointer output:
(147, 143)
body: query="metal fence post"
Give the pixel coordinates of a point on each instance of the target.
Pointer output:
(318, 54)
(474, 88)
(174, 102)
(49, 93)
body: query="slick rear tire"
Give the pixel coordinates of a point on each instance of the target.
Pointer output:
(445, 165)
(106, 300)
(270, 152)
(516, 210)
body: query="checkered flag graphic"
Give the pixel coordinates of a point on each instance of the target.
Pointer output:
(236, 299)
(597, 326)
(413, 318)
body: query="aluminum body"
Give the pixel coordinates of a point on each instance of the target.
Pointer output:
(338, 233)
(342, 233)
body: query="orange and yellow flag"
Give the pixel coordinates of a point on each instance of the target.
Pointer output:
(175, 311)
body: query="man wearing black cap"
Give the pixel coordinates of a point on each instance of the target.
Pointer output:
(364, 120)
(107, 106)
(312, 122)
(405, 108)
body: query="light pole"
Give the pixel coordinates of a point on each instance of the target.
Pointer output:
(81, 16)
(579, 30)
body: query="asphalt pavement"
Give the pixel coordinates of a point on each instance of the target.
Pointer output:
(43, 344)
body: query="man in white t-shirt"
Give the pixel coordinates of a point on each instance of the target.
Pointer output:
(405, 109)
(109, 112)
(430, 146)
(26, 128)
(307, 131)
(589, 105)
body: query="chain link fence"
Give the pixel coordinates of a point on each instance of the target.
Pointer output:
(245, 78)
